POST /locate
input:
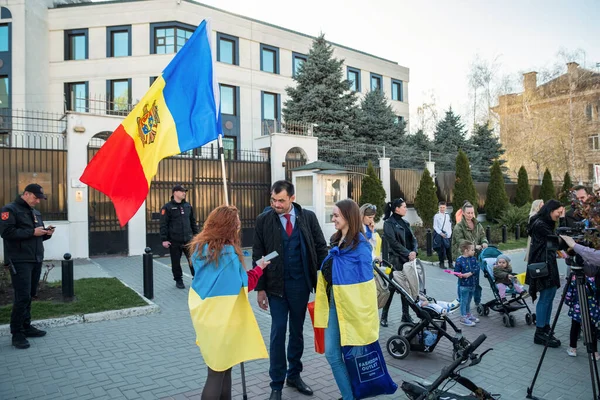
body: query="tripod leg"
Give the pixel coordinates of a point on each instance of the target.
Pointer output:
(587, 330)
(537, 371)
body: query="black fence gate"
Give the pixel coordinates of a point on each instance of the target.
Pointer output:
(105, 233)
(248, 184)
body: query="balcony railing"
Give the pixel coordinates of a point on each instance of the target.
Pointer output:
(270, 126)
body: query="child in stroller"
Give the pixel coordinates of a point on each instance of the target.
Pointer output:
(488, 259)
(423, 335)
(504, 277)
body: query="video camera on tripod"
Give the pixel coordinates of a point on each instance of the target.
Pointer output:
(581, 233)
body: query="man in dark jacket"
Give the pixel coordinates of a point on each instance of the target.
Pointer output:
(570, 220)
(23, 231)
(177, 227)
(287, 282)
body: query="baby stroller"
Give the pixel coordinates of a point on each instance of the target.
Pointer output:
(516, 302)
(426, 334)
(450, 375)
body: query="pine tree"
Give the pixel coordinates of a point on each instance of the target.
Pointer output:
(566, 189)
(485, 149)
(372, 191)
(496, 201)
(547, 190)
(322, 94)
(376, 122)
(464, 188)
(426, 200)
(449, 137)
(523, 195)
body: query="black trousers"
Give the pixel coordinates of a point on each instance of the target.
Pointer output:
(25, 285)
(574, 335)
(217, 386)
(176, 250)
(444, 253)
(386, 307)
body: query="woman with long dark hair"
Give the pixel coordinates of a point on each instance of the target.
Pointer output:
(402, 245)
(351, 298)
(226, 330)
(542, 225)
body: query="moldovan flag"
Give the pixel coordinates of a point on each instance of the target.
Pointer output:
(181, 111)
(226, 329)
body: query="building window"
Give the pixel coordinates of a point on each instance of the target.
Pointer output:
(376, 81)
(297, 61)
(227, 49)
(588, 111)
(270, 112)
(152, 79)
(4, 38)
(269, 59)
(354, 78)
(229, 147)
(76, 44)
(397, 90)
(5, 13)
(119, 96)
(76, 96)
(591, 172)
(399, 119)
(169, 37)
(594, 142)
(228, 100)
(4, 92)
(118, 41)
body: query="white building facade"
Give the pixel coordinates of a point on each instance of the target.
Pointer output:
(100, 57)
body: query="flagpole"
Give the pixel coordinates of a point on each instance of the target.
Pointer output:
(222, 156)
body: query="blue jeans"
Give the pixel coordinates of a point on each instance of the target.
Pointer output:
(333, 353)
(476, 293)
(543, 310)
(466, 296)
(293, 305)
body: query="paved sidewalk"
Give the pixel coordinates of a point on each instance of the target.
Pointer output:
(155, 357)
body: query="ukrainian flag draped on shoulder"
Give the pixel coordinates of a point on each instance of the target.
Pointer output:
(180, 111)
(226, 329)
(355, 295)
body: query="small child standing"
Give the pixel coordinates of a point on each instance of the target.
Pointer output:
(504, 277)
(468, 279)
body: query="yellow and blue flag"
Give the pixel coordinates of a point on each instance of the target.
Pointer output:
(226, 329)
(354, 292)
(180, 111)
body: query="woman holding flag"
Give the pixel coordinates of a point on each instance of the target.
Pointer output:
(346, 297)
(226, 330)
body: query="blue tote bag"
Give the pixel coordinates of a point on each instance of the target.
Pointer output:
(368, 373)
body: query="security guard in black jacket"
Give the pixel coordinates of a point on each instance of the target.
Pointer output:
(177, 227)
(287, 282)
(23, 231)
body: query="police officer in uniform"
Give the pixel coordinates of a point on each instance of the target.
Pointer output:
(177, 227)
(23, 231)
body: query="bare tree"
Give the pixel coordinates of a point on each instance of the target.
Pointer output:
(484, 78)
(427, 114)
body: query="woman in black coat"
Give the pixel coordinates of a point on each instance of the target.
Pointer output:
(542, 225)
(402, 246)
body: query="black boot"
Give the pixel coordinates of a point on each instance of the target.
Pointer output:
(541, 337)
(442, 265)
(19, 340)
(384, 322)
(407, 318)
(552, 337)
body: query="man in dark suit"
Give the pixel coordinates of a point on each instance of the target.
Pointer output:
(287, 282)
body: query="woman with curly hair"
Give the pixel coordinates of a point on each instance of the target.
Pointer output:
(226, 330)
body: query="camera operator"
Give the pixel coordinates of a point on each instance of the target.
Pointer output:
(571, 219)
(590, 256)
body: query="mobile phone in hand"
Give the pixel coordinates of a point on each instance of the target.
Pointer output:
(50, 227)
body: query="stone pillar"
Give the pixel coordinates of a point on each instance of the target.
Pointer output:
(136, 232)
(385, 174)
(430, 165)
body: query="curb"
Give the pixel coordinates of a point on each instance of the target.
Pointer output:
(87, 318)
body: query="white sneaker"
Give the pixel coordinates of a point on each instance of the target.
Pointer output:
(454, 305)
(473, 318)
(572, 352)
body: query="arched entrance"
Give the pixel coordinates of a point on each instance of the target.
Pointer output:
(105, 234)
(294, 158)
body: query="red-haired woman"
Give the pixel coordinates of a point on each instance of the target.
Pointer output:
(226, 330)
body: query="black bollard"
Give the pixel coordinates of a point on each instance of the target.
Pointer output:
(429, 240)
(67, 277)
(503, 233)
(148, 266)
(517, 232)
(488, 234)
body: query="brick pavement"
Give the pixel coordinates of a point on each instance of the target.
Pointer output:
(154, 356)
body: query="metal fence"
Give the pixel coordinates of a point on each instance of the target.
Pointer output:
(99, 105)
(269, 126)
(404, 183)
(33, 150)
(248, 184)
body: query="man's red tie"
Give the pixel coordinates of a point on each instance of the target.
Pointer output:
(288, 226)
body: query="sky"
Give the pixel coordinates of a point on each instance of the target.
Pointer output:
(438, 40)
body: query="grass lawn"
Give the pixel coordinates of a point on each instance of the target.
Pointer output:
(91, 295)
(510, 244)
